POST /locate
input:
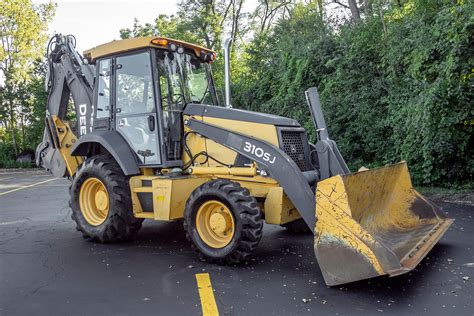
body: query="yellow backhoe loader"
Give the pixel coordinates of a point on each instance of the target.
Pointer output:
(151, 140)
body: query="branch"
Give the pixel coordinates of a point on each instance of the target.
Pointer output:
(225, 14)
(341, 4)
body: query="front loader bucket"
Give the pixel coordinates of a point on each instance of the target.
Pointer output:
(373, 223)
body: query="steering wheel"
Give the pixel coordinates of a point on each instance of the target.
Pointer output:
(177, 98)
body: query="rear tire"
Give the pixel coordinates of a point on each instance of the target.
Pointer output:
(106, 214)
(230, 205)
(298, 226)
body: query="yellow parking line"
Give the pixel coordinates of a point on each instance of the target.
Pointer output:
(27, 186)
(208, 302)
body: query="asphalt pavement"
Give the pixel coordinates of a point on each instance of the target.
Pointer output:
(47, 268)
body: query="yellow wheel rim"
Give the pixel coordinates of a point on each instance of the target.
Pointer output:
(215, 224)
(94, 201)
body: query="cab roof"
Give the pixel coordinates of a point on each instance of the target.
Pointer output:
(121, 46)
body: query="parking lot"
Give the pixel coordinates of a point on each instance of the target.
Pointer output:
(46, 268)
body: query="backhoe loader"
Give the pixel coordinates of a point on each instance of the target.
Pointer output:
(152, 140)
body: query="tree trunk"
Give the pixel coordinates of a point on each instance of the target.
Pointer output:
(320, 7)
(235, 20)
(12, 127)
(368, 7)
(23, 132)
(354, 10)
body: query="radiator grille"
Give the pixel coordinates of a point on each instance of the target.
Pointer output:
(293, 144)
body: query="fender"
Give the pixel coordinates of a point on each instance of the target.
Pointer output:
(114, 143)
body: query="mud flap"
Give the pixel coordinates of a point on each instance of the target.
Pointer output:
(373, 223)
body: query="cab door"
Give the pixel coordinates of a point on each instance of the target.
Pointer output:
(135, 110)
(103, 95)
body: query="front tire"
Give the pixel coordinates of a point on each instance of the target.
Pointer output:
(101, 203)
(223, 222)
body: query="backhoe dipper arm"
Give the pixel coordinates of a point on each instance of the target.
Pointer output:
(67, 77)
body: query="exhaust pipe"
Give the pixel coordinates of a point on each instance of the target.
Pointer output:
(227, 72)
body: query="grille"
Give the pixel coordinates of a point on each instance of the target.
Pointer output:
(293, 145)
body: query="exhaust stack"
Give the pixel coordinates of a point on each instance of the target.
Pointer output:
(227, 72)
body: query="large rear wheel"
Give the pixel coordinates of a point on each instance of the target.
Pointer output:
(101, 203)
(223, 222)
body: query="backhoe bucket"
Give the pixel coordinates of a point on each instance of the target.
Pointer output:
(373, 223)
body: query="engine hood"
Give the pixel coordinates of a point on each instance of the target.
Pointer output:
(238, 115)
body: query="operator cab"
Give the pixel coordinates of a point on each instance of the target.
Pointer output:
(142, 87)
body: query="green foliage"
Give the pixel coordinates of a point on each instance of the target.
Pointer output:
(395, 84)
(23, 26)
(199, 22)
(168, 26)
(393, 88)
(429, 58)
(7, 157)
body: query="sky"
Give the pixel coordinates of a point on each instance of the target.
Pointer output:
(98, 22)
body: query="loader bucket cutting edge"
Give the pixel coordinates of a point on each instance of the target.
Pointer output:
(373, 223)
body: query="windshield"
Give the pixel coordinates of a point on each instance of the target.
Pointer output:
(184, 79)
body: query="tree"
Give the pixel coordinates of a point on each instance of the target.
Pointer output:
(396, 87)
(22, 26)
(352, 6)
(205, 19)
(268, 11)
(203, 22)
(395, 80)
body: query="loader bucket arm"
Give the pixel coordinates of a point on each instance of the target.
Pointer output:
(369, 223)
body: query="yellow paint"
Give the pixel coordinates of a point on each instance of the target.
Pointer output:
(221, 170)
(215, 224)
(206, 294)
(257, 179)
(66, 139)
(265, 132)
(256, 189)
(120, 46)
(169, 194)
(278, 208)
(136, 184)
(362, 208)
(144, 215)
(381, 198)
(94, 201)
(196, 143)
(147, 171)
(334, 219)
(27, 186)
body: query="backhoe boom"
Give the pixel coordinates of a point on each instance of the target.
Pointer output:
(68, 77)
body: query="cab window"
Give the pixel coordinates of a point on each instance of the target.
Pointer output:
(103, 97)
(134, 84)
